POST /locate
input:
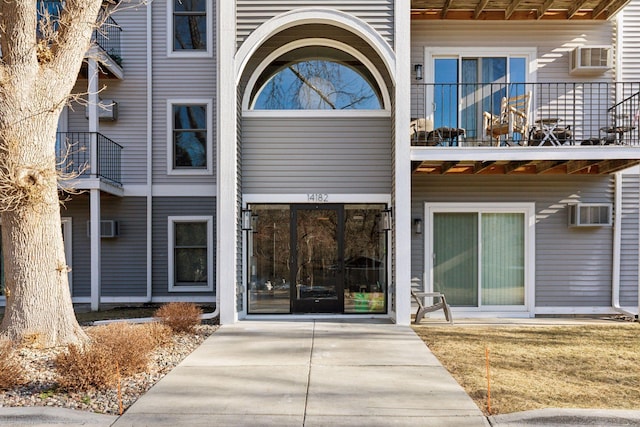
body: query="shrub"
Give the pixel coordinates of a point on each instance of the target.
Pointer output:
(128, 345)
(159, 333)
(117, 348)
(179, 316)
(85, 368)
(11, 372)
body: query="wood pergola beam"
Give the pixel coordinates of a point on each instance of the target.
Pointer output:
(546, 6)
(482, 166)
(446, 167)
(479, 8)
(601, 7)
(545, 165)
(610, 166)
(575, 8)
(511, 8)
(512, 166)
(445, 9)
(576, 166)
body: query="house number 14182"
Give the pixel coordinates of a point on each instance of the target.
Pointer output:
(318, 197)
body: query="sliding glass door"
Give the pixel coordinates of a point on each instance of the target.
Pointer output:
(479, 256)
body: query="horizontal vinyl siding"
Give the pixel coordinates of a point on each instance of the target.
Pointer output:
(178, 78)
(163, 207)
(630, 32)
(573, 265)
(305, 155)
(124, 258)
(553, 40)
(252, 13)
(130, 130)
(629, 241)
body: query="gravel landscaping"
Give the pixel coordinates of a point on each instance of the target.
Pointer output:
(42, 390)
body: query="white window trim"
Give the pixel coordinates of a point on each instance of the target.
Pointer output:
(246, 99)
(531, 53)
(196, 171)
(190, 53)
(529, 211)
(172, 220)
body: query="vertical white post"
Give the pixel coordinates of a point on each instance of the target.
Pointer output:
(94, 205)
(95, 249)
(227, 200)
(402, 175)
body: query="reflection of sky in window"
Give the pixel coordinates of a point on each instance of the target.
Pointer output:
(475, 92)
(190, 136)
(317, 85)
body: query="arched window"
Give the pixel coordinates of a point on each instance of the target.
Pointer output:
(316, 78)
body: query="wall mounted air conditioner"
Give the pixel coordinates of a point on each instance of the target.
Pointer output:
(590, 214)
(108, 229)
(590, 60)
(107, 110)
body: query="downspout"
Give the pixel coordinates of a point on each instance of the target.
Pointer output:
(149, 295)
(617, 239)
(617, 225)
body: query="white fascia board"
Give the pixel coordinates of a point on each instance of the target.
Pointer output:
(604, 152)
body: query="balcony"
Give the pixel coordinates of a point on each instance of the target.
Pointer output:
(566, 126)
(106, 38)
(73, 151)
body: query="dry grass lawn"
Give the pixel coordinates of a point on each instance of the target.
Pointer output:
(535, 367)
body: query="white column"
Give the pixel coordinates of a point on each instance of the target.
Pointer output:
(95, 249)
(402, 176)
(92, 72)
(227, 200)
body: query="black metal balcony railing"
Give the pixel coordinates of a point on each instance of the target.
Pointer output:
(73, 151)
(106, 36)
(525, 114)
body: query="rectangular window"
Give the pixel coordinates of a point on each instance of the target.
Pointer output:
(189, 125)
(190, 254)
(190, 20)
(479, 255)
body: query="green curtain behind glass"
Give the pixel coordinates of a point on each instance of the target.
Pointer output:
(502, 259)
(455, 272)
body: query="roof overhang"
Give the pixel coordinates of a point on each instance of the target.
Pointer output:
(523, 160)
(516, 9)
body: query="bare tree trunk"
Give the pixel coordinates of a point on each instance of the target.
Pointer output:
(36, 282)
(36, 78)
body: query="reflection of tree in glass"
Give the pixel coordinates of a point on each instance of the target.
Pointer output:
(190, 135)
(190, 25)
(272, 245)
(317, 85)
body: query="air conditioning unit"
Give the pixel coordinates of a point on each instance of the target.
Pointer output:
(107, 110)
(108, 229)
(590, 60)
(589, 214)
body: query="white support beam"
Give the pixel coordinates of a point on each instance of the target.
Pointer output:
(402, 167)
(227, 197)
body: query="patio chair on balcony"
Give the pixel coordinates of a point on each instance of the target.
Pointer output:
(513, 118)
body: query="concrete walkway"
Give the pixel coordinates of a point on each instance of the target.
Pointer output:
(307, 373)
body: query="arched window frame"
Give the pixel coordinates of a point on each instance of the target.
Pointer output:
(379, 81)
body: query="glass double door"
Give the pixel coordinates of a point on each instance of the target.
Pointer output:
(310, 258)
(317, 263)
